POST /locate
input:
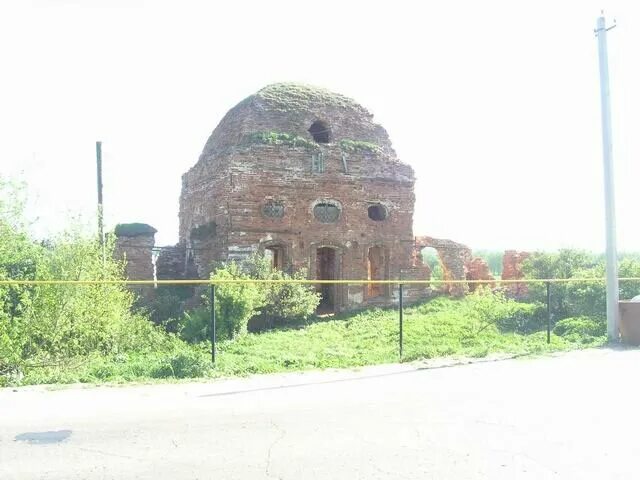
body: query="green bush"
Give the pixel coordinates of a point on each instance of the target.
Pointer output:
(57, 324)
(579, 298)
(236, 303)
(133, 229)
(580, 329)
(265, 304)
(279, 138)
(348, 145)
(182, 364)
(166, 306)
(493, 308)
(431, 258)
(283, 303)
(195, 325)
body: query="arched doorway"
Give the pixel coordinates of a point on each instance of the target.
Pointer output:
(376, 270)
(275, 254)
(327, 269)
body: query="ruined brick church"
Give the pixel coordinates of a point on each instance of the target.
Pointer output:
(306, 177)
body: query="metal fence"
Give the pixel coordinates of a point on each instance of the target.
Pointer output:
(397, 301)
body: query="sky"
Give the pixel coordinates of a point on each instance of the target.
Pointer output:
(496, 105)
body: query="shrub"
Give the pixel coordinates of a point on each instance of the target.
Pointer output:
(195, 325)
(495, 309)
(182, 364)
(236, 303)
(265, 304)
(283, 302)
(579, 298)
(348, 145)
(580, 329)
(53, 324)
(279, 138)
(133, 229)
(166, 306)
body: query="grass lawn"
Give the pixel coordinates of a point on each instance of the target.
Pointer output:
(441, 327)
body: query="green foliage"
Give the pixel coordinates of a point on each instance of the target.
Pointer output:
(133, 229)
(283, 302)
(236, 304)
(279, 138)
(564, 264)
(495, 309)
(196, 325)
(293, 97)
(493, 258)
(579, 298)
(431, 258)
(182, 364)
(166, 306)
(57, 327)
(581, 329)
(350, 146)
(441, 327)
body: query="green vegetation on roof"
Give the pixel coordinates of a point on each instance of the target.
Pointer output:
(348, 145)
(134, 229)
(292, 140)
(297, 96)
(279, 138)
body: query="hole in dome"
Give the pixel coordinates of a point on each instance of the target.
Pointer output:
(320, 132)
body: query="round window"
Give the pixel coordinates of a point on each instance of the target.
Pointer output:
(326, 212)
(377, 212)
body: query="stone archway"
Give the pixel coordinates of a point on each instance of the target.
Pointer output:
(326, 269)
(457, 262)
(377, 267)
(326, 264)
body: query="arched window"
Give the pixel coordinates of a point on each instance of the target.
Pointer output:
(320, 132)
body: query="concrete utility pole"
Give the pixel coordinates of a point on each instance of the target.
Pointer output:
(609, 189)
(100, 208)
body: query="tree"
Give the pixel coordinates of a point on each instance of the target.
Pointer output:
(52, 323)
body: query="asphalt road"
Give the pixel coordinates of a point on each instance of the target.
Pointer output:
(568, 417)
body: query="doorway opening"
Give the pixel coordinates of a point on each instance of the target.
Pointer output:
(375, 271)
(431, 257)
(275, 254)
(326, 269)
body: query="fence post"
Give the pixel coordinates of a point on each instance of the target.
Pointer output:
(400, 313)
(213, 322)
(548, 312)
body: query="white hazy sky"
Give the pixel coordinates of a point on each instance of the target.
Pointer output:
(495, 104)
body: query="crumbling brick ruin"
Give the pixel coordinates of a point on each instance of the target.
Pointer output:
(457, 263)
(512, 270)
(134, 244)
(306, 177)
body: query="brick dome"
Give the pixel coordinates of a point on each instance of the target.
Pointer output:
(297, 111)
